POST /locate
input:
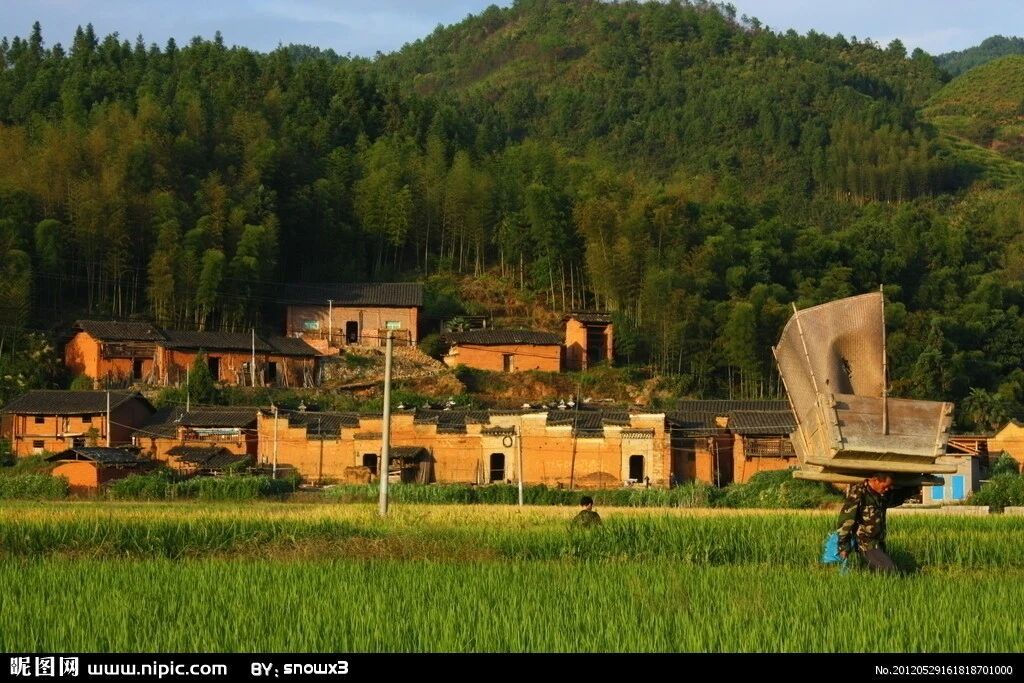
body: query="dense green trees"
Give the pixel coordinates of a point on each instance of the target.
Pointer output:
(691, 172)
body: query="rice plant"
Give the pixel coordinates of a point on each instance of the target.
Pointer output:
(427, 606)
(228, 576)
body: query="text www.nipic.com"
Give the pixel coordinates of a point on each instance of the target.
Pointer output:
(158, 670)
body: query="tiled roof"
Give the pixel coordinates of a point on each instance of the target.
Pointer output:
(498, 431)
(58, 402)
(208, 457)
(290, 346)
(451, 421)
(588, 422)
(777, 422)
(210, 341)
(323, 424)
(113, 330)
(100, 454)
(383, 294)
(218, 416)
(722, 407)
(589, 317)
(408, 452)
(162, 424)
(497, 337)
(692, 423)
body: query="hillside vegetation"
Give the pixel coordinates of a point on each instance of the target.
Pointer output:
(689, 171)
(984, 106)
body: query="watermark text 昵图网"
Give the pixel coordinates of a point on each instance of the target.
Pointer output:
(62, 667)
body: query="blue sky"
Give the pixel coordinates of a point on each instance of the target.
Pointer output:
(363, 27)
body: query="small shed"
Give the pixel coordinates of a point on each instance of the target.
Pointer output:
(500, 350)
(88, 468)
(207, 459)
(410, 464)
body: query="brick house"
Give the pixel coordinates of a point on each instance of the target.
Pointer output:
(230, 429)
(578, 448)
(589, 340)
(89, 468)
(113, 353)
(332, 316)
(762, 442)
(724, 441)
(52, 421)
(280, 361)
(501, 350)
(124, 353)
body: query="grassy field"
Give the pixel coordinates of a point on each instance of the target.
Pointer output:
(292, 577)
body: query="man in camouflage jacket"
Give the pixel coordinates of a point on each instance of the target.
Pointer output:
(862, 519)
(586, 517)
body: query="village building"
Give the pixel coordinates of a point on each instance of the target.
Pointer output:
(501, 350)
(87, 468)
(1009, 440)
(52, 421)
(724, 441)
(113, 354)
(761, 441)
(317, 445)
(333, 316)
(957, 487)
(589, 340)
(121, 354)
(561, 448)
(207, 460)
(230, 429)
(280, 361)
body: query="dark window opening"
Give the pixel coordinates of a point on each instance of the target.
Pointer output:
(137, 368)
(78, 442)
(40, 419)
(370, 461)
(214, 365)
(272, 371)
(87, 418)
(351, 332)
(497, 467)
(38, 446)
(636, 467)
(508, 363)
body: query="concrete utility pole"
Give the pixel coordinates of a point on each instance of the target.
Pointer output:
(188, 390)
(107, 425)
(320, 433)
(274, 467)
(252, 364)
(385, 450)
(330, 322)
(519, 441)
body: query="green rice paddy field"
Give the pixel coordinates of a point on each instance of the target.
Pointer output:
(333, 577)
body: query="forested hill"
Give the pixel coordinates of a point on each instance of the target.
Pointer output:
(993, 47)
(690, 171)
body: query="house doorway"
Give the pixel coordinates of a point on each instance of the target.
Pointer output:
(497, 467)
(636, 468)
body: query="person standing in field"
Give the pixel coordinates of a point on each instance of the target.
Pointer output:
(586, 517)
(862, 519)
